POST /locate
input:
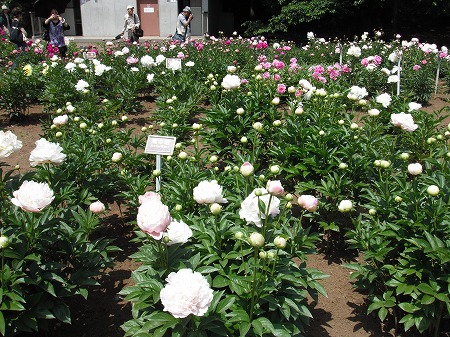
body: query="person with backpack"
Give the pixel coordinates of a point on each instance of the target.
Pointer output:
(18, 35)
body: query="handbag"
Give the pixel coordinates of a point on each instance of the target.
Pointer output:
(16, 35)
(137, 30)
(46, 35)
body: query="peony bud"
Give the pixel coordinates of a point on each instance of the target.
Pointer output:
(117, 156)
(97, 207)
(275, 169)
(345, 206)
(372, 211)
(240, 111)
(256, 240)
(415, 169)
(308, 202)
(238, 235)
(280, 242)
(274, 187)
(215, 208)
(433, 190)
(182, 155)
(4, 242)
(246, 169)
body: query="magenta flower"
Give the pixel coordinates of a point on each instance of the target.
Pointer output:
(281, 89)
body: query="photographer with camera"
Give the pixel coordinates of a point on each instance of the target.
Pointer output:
(183, 30)
(56, 25)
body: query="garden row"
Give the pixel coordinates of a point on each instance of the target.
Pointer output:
(289, 146)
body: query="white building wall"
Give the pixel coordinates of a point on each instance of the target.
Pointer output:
(168, 13)
(103, 18)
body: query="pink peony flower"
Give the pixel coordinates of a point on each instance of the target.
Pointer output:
(308, 202)
(153, 218)
(274, 187)
(148, 196)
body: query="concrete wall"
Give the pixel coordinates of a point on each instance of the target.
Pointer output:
(168, 13)
(103, 18)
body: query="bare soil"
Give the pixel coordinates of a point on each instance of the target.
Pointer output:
(342, 314)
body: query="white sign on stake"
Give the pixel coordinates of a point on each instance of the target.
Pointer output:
(89, 55)
(162, 145)
(159, 145)
(173, 63)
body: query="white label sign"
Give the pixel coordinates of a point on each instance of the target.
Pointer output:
(162, 145)
(89, 55)
(149, 10)
(173, 63)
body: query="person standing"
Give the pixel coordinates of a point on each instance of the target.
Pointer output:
(5, 20)
(55, 24)
(131, 23)
(183, 30)
(17, 34)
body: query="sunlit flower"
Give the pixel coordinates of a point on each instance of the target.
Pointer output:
(384, 99)
(186, 292)
(208, 192)
(250, 211)
(246, 169)
(33, 196)
(153, 217)
(81, 85)
(231, 82)
(405, 121)
(8, 143)
(177, 232)
(46, 152)
(60, 120)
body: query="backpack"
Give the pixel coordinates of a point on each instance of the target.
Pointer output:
(16, 35)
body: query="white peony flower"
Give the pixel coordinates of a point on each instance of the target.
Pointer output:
(33, 196)
(186, 292)
(405, 121)
(81, 85)
(392, 79)
(153, 218)
(160, 59)
(414, 106)
(177, 232)
(384, 99)
(60, 120)
(231, 82)
(250, 209)
(354, 51)
(147, 61)
(357, 93)
(70, 67)
(208, 192)
(150, 78)
(46, 152)
(190, 64)
(8, 144)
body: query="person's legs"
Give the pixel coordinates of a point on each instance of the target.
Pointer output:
(63, 51)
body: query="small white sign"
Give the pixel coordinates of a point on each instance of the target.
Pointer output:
(173, 63)
(149, 10)
(89, 55)
(162, 145)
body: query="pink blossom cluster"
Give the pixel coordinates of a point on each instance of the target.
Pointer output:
(371, 61)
